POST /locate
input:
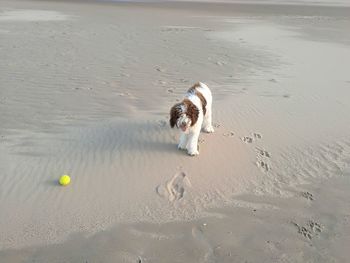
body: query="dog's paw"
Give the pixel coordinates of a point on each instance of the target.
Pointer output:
(193, 153)
(181, 147)
(208, 129)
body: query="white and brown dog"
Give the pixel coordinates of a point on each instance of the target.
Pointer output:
(191, 115)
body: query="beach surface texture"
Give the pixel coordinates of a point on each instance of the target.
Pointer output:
(86, 89)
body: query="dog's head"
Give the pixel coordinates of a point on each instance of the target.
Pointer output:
(183, 115)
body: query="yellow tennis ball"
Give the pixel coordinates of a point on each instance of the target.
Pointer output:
(64, 180)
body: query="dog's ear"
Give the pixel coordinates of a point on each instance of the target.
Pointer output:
(174, 115)
(192, 112)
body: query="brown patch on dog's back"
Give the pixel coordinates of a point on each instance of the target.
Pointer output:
(203, 100)
(194, 90)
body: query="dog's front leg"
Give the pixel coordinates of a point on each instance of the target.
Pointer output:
(183, 141)
(192, 145)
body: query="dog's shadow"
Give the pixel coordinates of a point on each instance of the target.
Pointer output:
(123, 136)
(113, 137)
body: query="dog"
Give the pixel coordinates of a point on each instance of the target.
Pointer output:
(191, 115)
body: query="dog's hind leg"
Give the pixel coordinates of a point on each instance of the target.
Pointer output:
(207, 122)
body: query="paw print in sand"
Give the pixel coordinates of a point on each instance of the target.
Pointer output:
(307, 195)
(310, 230)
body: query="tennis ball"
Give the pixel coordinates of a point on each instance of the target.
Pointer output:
(64, 180)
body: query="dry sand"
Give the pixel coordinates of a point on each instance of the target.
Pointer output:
(86, 89)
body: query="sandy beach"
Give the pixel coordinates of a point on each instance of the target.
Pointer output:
(86, 89)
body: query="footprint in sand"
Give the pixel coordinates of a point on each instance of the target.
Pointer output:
(247, 139)
(257, 135)
(310, 230)
(162, 82)
(314, 226)
(125, 94)
(305, 232)
(216, 125)
(262, 159)
(263, 153)
(229, 134)
(159, 69)
(220, 63)
(308, 196)
(263, 165)
(175, 188)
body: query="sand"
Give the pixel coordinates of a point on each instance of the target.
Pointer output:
(86, 89)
